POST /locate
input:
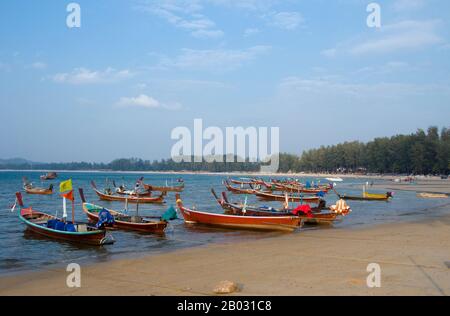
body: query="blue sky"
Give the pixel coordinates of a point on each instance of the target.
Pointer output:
(135, 70)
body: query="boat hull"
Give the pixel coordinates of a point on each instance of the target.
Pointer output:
(164, 189)
(273, 223)
(39, 192)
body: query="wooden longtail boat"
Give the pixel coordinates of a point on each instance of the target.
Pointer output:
(243, 181)
(264, 196)
(293, 187)
(315, 217)
(176, 188)
(271, 223)
(366, 197)
(49, 176)
(55, 228)
(30, 189)
(122, 190)
(147, 224)
(297, 189)
(238, 190)
(131, 199)
(40, 191)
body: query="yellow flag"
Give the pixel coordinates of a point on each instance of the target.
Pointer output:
(65, 186)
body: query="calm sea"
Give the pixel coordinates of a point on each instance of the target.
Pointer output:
(21, 250)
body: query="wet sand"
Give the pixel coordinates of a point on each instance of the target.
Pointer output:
(413, 259)
(426, 186)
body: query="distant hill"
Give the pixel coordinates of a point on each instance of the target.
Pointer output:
(16, 161)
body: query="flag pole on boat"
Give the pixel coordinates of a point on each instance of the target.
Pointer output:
(66, 186)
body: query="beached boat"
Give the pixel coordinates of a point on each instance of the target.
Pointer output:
(310, 216)
(271, 223)
(31, 189)
(49, 176)
(52, 227)
(264, 196)
(108, 196)
(149, 224)
(366, 197)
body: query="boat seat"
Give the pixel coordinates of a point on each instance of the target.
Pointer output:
(136, 219)
(82, 228)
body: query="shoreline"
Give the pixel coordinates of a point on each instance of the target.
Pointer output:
(241, 174)
(412, 256)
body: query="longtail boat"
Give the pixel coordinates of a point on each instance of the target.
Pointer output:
(131, 199)
(236, 190)
(366, 197)
(30, 189)
(52, 227)
(166, 188)
(149, 224)
(314, 216)
(271, 223)
(49, 176)
(243, 181)
(298, 189)
(138, 191)
(264, 196)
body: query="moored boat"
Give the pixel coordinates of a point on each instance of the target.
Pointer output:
(29, 188)
(271, 223)
(366, 197)
(49, 176)
(240, 190)
(108, 196)
(149, 224)
(290, 198)
(55, 228)
(166, 188)
(307, 214)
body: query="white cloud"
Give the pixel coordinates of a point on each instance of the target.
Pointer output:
(184, 15)
(250, 31)
(408, 5)
(329, 52)
(286, 20)
(39, 65)
(338, 92)
(387, 68)
(207, 33)
(402, 36)
(213, 59)
(250, 5)
(145, 101)
(86, 76)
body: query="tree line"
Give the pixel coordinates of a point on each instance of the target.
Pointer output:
(423, 152)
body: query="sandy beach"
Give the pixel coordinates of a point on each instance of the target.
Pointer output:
(414, 260)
